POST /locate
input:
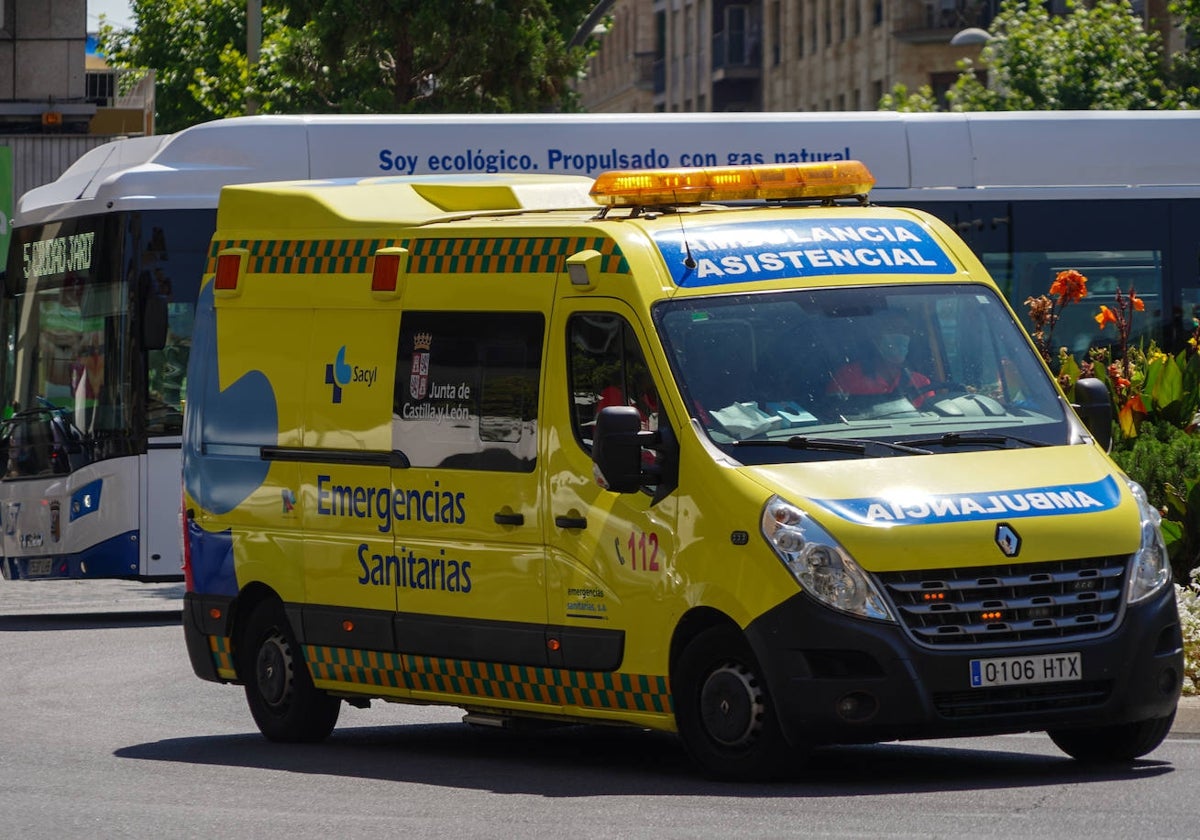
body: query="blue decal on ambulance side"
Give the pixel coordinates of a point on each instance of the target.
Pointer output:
(234, 425)
(942, 508)
(799, 248)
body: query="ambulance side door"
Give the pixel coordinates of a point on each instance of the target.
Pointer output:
(610, 563)
(469, 566)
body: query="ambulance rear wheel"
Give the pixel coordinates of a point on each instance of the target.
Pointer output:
(1121, 743)
(285, 704)
(723, 711)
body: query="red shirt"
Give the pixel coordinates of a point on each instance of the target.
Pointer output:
(852, 379)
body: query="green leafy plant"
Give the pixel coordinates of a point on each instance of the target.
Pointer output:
(1156, 399)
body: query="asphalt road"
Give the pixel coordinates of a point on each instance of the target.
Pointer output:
(106, 733)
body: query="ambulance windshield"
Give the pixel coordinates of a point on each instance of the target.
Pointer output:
(831, 373)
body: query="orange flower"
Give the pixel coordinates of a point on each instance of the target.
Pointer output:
(1105, 316)
(1137, 303)
(1070, 286)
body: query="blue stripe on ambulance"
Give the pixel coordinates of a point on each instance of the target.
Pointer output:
(941, 508)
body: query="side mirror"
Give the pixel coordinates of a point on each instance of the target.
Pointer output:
(1094, 408)
(617, 449)
(154, 322)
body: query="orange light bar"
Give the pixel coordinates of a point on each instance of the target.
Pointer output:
(635, 187)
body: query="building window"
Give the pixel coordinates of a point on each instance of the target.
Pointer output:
(99, 88)
(776, 26)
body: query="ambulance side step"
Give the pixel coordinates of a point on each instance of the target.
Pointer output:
(510, 722)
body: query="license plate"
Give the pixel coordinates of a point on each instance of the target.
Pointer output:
(39, 567)
(1025, 670)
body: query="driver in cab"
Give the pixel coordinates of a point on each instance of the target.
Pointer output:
(883, 368)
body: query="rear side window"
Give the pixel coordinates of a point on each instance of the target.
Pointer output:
(466, 393)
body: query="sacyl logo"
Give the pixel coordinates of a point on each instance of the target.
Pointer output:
(339, 373)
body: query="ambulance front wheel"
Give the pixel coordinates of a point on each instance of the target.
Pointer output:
(724, 712)
(285, 704)
(1120, 743)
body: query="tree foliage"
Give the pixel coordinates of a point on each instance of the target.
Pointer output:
(1092, 58)
(368, 56)
(1183, 73)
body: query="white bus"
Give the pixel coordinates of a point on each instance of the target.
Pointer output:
(105, 263)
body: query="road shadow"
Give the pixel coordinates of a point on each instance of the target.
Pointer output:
(575, 761)
(88, 621)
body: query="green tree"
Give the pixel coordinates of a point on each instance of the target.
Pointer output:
(369, 56)
(1183, 72)
(197, 50)
(1100, 57)
(901, 99)
(435, 55)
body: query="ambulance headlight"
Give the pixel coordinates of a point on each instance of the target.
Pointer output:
(820, 565)
(1150, 566)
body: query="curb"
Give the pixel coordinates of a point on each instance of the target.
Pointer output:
(1187, 717)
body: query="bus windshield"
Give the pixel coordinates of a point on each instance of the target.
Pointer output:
(818, 374)
(83, 378)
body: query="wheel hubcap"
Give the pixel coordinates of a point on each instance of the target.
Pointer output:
(731, 705)
(273, 667)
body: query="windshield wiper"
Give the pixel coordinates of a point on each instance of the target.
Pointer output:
(853, 446)
(953, 439)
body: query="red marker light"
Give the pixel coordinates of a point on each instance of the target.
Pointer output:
(229, 266)
(385, 273)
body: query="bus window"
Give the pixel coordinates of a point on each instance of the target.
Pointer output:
(164, 258)
(1108, 272)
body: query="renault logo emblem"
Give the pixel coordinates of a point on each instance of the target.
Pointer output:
(1008, 540)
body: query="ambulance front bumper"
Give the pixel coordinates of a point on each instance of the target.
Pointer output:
(839, 679)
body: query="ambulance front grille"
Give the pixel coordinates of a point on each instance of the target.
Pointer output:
(1025, 699)
(1018, 603)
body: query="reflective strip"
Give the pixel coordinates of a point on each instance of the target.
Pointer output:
(222, 654)
(524, 683)
(525, 255)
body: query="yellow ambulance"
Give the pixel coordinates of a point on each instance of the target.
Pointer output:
(724, 452)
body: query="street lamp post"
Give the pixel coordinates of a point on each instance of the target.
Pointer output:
(971, 36)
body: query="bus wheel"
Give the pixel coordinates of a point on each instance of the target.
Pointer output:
(723, 711)
(1123, 742)
(285, 704)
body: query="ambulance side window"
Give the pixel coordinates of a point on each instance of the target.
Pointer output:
(466, 391)
(607, 367)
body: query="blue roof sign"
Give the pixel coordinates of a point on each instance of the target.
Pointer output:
(799, 248)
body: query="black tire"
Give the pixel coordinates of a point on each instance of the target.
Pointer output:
(285, 704)
(724, 713)
(1110, 744)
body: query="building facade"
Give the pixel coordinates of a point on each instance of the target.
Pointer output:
(787, 55)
